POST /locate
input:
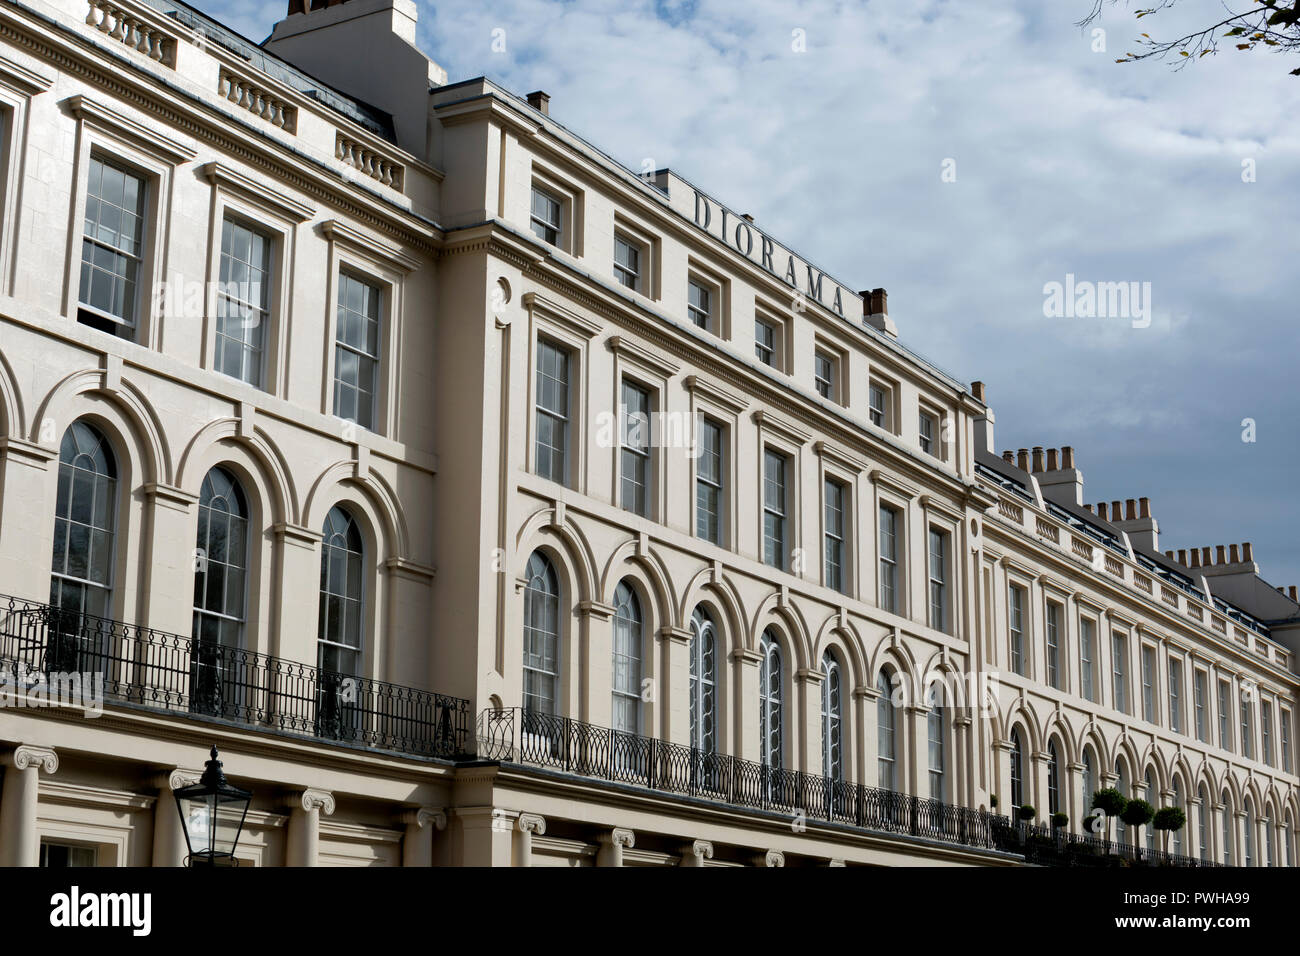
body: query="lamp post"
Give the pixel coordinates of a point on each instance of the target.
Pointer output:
(212, 816)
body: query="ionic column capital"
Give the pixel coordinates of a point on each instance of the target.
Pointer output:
(27, 756)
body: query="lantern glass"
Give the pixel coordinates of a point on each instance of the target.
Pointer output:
(212, 815)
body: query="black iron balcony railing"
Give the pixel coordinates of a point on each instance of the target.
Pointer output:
(1055, 847)
(517, 735)
(43, 646)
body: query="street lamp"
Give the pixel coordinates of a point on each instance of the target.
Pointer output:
(212, 815)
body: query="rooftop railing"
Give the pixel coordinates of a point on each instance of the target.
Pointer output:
(44, 648)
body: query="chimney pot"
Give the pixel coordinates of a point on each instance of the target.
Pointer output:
(1038, 458)
(1115, 511)
(540, 101)
(1169, 555)
(1233, 556)
(1022, 459)
(876, 301)
(1144, 507)
(977, 389)
(1067, 456)
(1182, 556)
(1220, 555)
(1205, 556)
(1009, 457)
(1247, 552)
(1101, 510)
(1292, 592)
(1052, 463)
(1130, 510)
(1088, 508)
(1196, 558)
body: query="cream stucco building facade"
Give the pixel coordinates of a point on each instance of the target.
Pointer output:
(487, 503)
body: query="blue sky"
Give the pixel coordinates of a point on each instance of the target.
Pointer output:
(1066, 163)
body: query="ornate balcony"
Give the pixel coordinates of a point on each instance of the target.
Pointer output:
(1048, 847)
(41, 646)
(516, 735)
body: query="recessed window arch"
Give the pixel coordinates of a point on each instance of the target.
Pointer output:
(1227, 828)
(85, 527)
(1121, 778)
(627, 660)
(1248, 841)
(886, 733)
(220, 591)
(832, 719)
(341, 629)
(1176, 836)
(1089, 776)
(936, 738)
(1150, 794)
(771, 712)
(704, 687)
(541, 637)
(1202, 822)
(1268, 836)
(1017, 769)
(1053, 777)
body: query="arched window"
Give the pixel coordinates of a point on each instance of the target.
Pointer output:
(832, 713)
(1089, 778)
(1176, 836)
(1017, 770)
(1149, 795)
(220, 585)
(85, 524)
(887, 756)
(938, 749)
(541, 637)
(1248, 843)
(703, 683)
(221, 561)
(1202, 819)
(627, 660)
(770, 716)
(1053, 778)
(342, 595)
(1121, 779)
(1227, 829)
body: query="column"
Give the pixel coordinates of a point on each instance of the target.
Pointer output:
(417, 841)
(485, 836)
(302, 844)
(1000, 785)
(612, 845)
(297, 572)
(528, 824)
(673, 695)
(166, 593)
(590, 675)
(915, 749)
(1036, 790)
(743, 707)
(866, 739)
(20, 844)
(1077, 801)
(25, 507)
(808, 731)
(770, 858)
(169, 846)
(962, 788)
(696, 852)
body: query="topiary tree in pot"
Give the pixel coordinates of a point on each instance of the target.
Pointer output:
(1060, 820)
(1138, 813)
(1110, 802)
(1169, 820)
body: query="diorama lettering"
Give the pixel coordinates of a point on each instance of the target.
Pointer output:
(741, 235)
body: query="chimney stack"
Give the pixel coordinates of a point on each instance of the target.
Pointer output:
(1291, 593)
(541, 101)
(1220, 555)
(1052, 463)
(1038, 458)
(1009, 457)
(1130, 510)
(1233, 556)
(1196, 558)
(1144, 507)
(1182, 556)
(1022, 459)
(1101, 510)
(875, 311)
(977, 389)
(1067, 456)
